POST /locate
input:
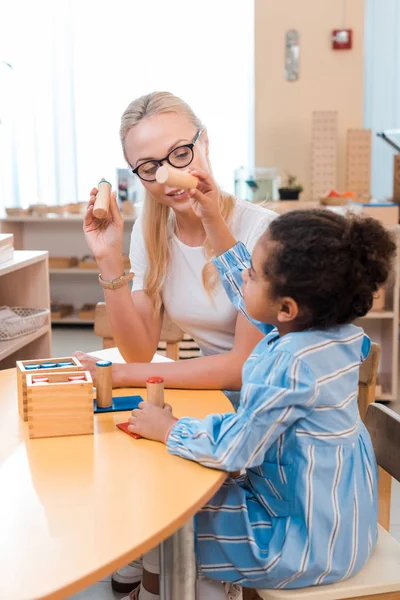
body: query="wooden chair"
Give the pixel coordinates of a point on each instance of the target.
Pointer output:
(380, 578)
(170, 333)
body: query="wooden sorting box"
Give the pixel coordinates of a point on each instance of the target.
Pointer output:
(22, 373)
(60, 407)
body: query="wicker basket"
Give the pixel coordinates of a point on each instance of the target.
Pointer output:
(17, 321)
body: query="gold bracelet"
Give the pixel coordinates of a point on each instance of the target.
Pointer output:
(114, 284)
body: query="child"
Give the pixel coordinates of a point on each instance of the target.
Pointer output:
(305, 511)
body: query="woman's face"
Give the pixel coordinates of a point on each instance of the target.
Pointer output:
(152, 139)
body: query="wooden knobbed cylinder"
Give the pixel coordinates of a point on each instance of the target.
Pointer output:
(103, 199)
(155, 391)
(104, 384)
(176, 177)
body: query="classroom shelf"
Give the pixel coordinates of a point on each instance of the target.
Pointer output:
(24, 281)
(9, 347)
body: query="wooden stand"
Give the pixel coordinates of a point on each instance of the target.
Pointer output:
(23, 371)
(167, 175)
(324, 153)
(358, 161)
(60, 407)
(103, 198)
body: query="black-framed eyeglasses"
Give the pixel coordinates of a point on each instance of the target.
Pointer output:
(180, 157)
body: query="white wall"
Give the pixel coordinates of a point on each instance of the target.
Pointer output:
(382, 86)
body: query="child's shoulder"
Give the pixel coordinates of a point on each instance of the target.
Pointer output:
(323, 349)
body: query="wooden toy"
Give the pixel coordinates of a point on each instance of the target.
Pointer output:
(60, 407)
(34, 367)
(104, 383)
(396, 179)
(358, 161)
(176, 177)
(324, 153)
(155, 391)
(103, 198)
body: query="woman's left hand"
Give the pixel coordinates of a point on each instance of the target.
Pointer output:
(152, 422)
(205, 198)
(88, 362)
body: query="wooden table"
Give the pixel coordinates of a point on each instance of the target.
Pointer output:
(74, 509)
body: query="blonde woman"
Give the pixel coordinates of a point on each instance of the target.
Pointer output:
(171, 259)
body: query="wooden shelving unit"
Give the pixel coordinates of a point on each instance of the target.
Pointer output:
(24, 281)
(61, 236)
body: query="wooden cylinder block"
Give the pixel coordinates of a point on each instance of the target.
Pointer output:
(103, 198)
(155, 391)
(104, 383)
(176, 178)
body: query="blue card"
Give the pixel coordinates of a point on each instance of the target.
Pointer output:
(120, 403)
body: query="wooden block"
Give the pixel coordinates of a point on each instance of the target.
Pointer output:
(172, 177)
(324, 153)
(103, 198)
(358, 161)
(60, 407)
(396, 179)
(23, 370)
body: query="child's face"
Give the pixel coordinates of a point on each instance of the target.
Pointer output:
(259, 301)
(256, 288)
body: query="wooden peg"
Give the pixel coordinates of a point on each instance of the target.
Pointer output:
(176, 177)
(104, 383)
(103, 199)
(155, 391)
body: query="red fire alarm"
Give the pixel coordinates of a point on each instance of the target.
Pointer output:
(342, 39)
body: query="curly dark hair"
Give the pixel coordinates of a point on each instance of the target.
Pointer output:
(329, 264)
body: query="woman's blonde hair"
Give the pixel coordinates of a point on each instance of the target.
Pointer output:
(157, 218)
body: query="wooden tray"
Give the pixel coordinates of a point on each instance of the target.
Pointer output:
(59, 311)
(62, 262)
(87, 311)
(335, 200)
(87, 262)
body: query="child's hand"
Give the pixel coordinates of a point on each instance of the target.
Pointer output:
(205, 198)
(152, 422)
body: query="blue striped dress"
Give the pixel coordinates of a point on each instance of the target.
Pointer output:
(305, 511)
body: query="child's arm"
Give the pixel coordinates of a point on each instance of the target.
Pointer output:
(232, 256)
(284, 393)
(267, 408)
(230, 266)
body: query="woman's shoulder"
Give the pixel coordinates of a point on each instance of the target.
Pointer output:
(249, 221)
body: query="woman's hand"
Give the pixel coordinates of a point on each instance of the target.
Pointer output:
(205, 198)
(104, 236)
(152, 422)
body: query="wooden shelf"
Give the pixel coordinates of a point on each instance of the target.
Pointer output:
(72, 271)
(72, 320)
(9, 347)
(22, 259)
(376, 314)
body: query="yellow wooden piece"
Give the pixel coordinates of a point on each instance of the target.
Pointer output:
(22, 373)
(87, 505)
(60, 407)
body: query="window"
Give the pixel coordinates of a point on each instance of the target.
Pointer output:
(81, 64)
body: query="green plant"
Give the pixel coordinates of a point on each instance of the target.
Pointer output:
(291, 183)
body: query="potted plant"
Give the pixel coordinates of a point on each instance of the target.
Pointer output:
(291, 190)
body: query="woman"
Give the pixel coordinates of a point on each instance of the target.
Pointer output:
(171, 257)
